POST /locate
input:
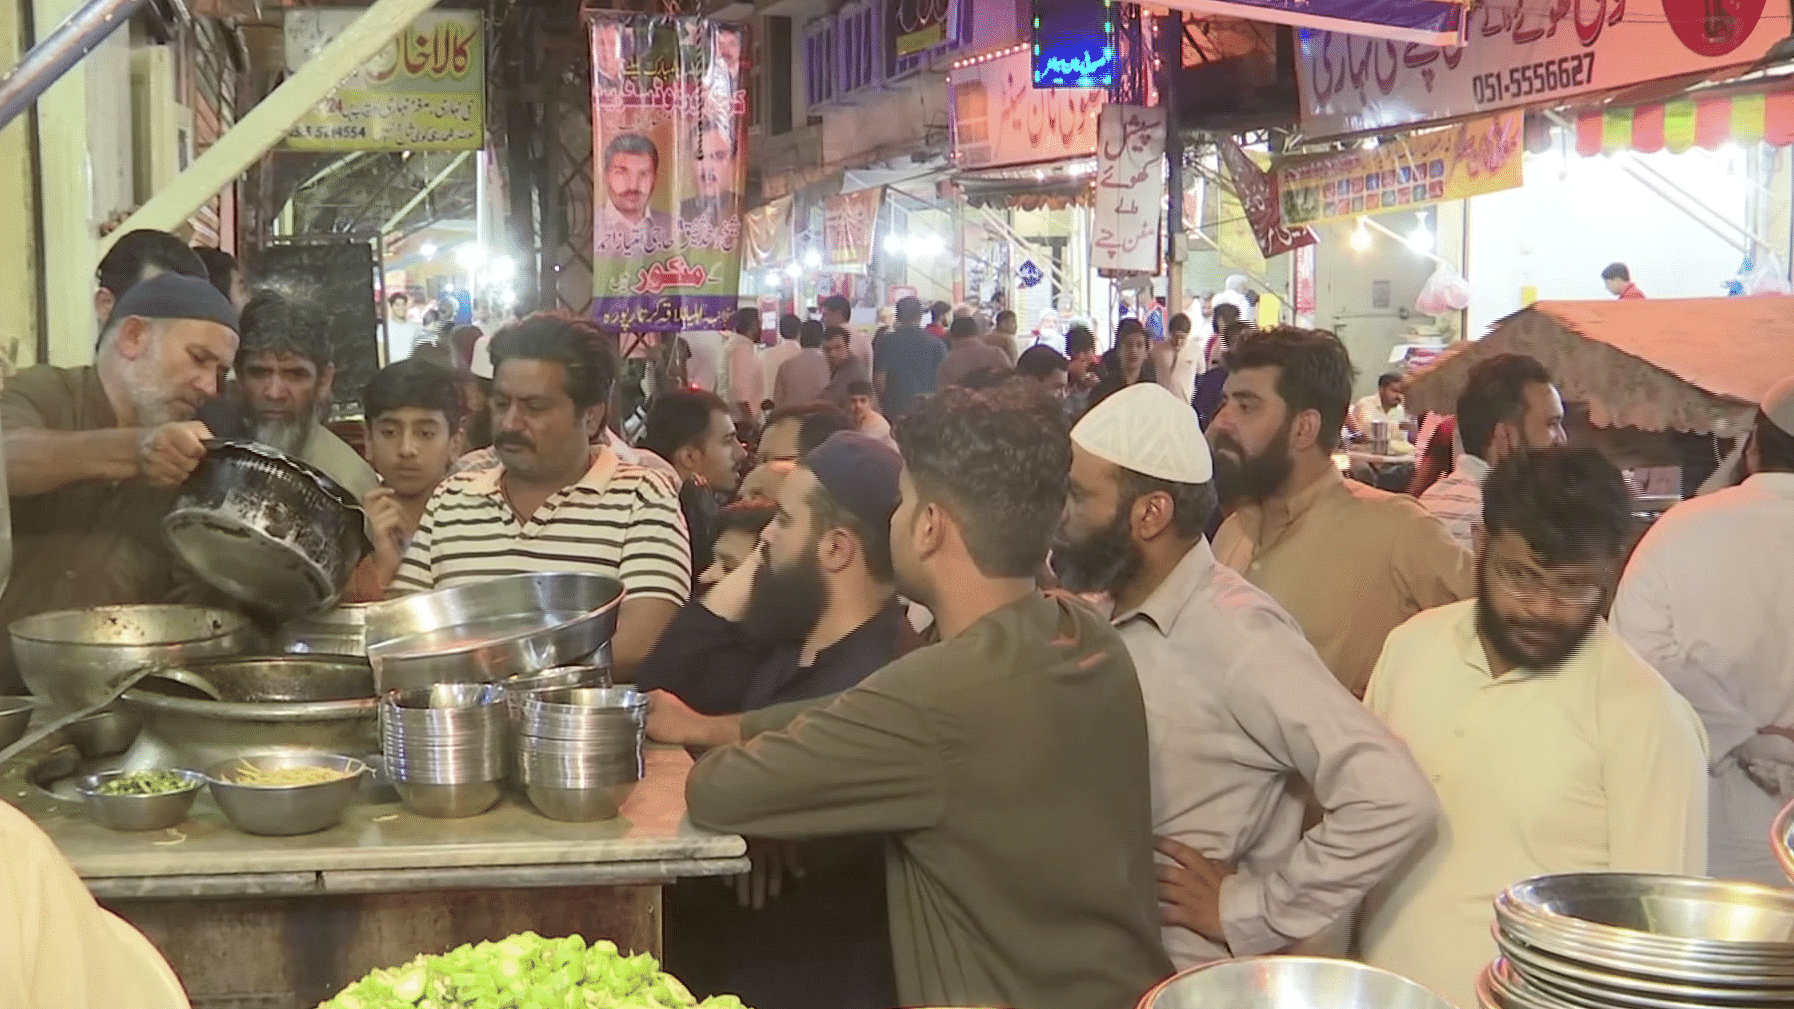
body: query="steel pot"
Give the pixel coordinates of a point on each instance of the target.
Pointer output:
(267, 529)
(338, 631)
(70, 656)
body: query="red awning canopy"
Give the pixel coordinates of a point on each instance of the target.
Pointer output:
(1690, 122)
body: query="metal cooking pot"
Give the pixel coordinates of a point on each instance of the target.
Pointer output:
(280, 703)
(267, 529)
(486, 631)
(339, 631)
(70, 656)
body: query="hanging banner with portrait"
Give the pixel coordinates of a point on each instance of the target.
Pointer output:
(669, 114)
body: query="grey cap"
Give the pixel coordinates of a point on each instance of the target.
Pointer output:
(173, 296)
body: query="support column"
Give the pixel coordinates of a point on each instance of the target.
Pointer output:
(69, 254)
(18, 215)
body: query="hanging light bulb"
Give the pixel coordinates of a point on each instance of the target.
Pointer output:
(1421, 239)
(813, 259)
(1361, 237)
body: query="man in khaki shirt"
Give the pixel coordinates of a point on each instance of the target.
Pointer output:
(93, 453)
(1008, 764)
(1350, 563)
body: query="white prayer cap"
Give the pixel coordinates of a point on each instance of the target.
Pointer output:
(1144, 428)
(1778, 404)
(481, 365)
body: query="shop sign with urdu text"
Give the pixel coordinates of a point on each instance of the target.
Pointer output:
(425, 91)
(1130, 189)
(1474, 157)
(1525, 53)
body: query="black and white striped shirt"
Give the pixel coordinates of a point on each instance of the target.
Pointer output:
(618, 520)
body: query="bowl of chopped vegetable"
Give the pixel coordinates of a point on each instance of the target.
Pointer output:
(283, 794)
(140, 800)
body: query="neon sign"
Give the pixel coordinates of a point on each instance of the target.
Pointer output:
(1074, 44)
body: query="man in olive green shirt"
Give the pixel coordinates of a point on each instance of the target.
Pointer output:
(1008, 763)
(92, 454)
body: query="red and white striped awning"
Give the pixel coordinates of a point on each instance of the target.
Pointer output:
(1693, 122)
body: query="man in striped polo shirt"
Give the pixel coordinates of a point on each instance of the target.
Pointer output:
(556, 502)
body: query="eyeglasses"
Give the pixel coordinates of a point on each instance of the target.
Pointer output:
(1530, 587)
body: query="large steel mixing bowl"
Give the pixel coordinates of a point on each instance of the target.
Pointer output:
(489, 630)
(284, 703)
(1289, 982)
(70, 656)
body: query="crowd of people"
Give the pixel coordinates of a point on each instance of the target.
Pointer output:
(1029, 678)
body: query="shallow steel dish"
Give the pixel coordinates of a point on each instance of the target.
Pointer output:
(1289, 982)
(1781, 839)
(1650, 913)
(487, 631)
(294, 703)
(72, 658)
(15, 717)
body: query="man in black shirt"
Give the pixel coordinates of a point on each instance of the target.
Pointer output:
(693, 430)
(811, 613)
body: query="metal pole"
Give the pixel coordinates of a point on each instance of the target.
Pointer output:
(267, 124)
(1171, 57)
(47, 61)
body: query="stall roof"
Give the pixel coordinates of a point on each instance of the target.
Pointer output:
(1697, 365)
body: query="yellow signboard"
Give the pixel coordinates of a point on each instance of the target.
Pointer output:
(1474, 157)
(426, 91)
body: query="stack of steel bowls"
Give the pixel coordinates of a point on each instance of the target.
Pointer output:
(445, 747)
(1604, 940)
(551, 680)
(579, 752)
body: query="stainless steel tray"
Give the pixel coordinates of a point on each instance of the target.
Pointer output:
(490, 630)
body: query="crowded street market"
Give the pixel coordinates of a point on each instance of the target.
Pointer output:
(897, 504)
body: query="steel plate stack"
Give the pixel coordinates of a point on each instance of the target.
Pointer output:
(1635, 941)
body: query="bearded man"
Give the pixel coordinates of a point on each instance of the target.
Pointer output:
(1244, 720)
(284, 376)
(811, 612)
(1554, 748)
(1348, 561)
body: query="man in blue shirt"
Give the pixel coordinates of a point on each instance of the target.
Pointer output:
(905, 361)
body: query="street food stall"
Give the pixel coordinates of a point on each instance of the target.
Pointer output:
(1655, 384)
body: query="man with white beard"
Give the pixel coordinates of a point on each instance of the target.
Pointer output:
(284, 374)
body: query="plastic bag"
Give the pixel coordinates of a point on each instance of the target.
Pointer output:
(1445, 291)
(1765, 276)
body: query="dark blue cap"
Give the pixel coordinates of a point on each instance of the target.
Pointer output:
(861, 473)
(174, 296)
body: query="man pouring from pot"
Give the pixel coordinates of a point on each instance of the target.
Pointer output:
(93, 454)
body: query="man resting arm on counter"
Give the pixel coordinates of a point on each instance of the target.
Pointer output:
(1000, 759)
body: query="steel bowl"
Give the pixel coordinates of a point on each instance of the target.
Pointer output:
(104, 733)
(1289, 982)
(286, 810)
(486, 631)
(139, 812)
(584, 713)
(284, 703)
(579, 805)
(15, 718)
(72, 657)
(339, 631)
(448, 801)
